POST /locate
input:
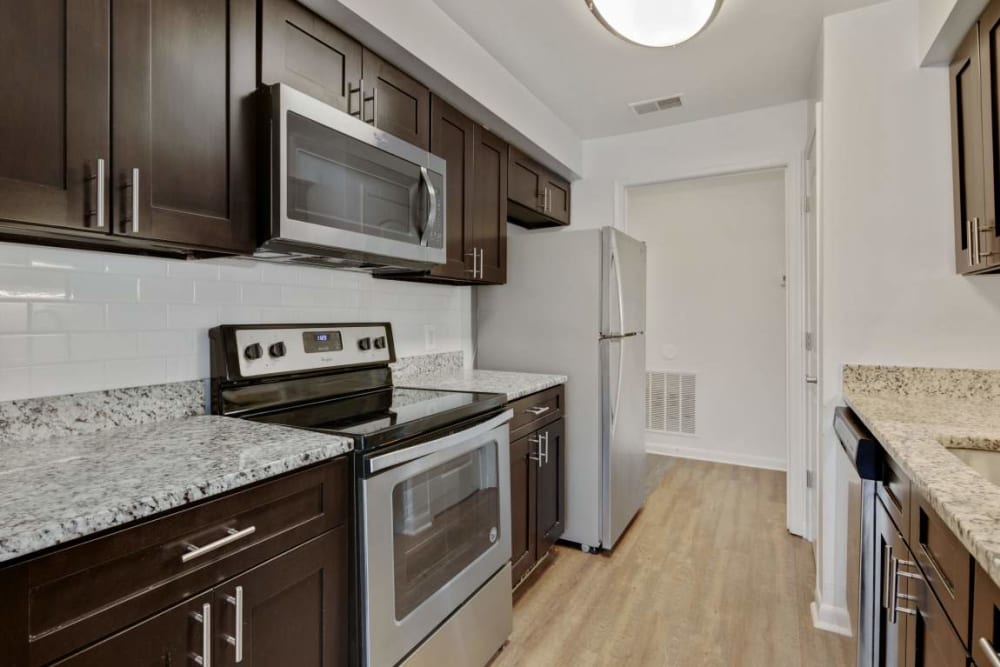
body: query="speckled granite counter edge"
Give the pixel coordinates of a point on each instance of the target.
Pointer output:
(967, 503)
(514, 385)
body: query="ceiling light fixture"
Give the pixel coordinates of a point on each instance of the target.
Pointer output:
(655, 22)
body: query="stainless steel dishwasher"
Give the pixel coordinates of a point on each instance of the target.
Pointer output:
(861, 460)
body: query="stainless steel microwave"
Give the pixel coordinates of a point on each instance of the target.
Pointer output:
(343, 193)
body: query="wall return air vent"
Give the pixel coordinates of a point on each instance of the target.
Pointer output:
(671, 402)
(652, 106)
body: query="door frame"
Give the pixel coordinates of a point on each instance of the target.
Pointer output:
(797, 520)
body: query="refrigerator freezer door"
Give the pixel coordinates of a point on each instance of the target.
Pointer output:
(623, 284)
(623, 443)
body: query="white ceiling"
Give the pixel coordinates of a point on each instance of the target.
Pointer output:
(756, 53)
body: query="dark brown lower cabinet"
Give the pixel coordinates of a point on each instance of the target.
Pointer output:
(537, 482)
(985, 636)
(891, 630)
(135, 596)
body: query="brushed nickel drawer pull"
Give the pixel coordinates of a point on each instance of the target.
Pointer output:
(233, 535)
(991, 653)
(236, 639)
(205, 618)
(539, 410)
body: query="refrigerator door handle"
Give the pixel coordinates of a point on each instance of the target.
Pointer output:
(618, 388)
(618, 283)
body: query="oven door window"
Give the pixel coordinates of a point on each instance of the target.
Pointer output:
(443, 520)
(337, 181)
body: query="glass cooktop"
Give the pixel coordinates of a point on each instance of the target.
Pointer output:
(388, 416)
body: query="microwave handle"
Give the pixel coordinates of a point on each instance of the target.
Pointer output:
(432, 209)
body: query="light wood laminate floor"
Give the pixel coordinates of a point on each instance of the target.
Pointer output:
(706, 575)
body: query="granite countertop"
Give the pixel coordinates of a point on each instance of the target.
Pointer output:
(515, 385)
(914, 416)
(63, 488)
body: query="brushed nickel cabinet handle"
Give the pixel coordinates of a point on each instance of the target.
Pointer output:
(991, 653)
(482, 263)
(539, 410)
(545, 452)
(360, 92)
(373, 98)
(232, 535)
(134, 213)
(976, 259)
(236, 639)
(969, 241)
(475, 263)
(886, 559)
(98, 178)
(205, 618)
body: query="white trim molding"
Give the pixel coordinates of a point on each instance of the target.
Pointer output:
(715, 456)
(829, 617)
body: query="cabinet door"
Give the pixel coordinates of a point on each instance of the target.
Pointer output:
(551, 483)
(54, 120)
(557, 199)
(301, 49)
(891, 628)
(183, 76)
(523, 481)
(395, 102)
(989, 45)
(967, 151)
(172, 637)
(452, 138)
(294, 608)
(931, 638)
(489, 206)
(985, 616)
(525, 181)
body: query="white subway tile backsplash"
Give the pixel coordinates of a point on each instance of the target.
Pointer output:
(262, 294)
(102, 345)
(104, 288)
(67, 378)
(79, 321)
(32, 284)
(183, 316)
(216, 292)
(166, 290)
(193, 268)
(146, 316)
(13, 317)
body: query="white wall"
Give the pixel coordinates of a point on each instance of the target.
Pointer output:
(716, 307)
(77, 320)
(738, 142)
(890, 292)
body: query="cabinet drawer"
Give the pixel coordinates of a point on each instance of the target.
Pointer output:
(946, 565)
(895, 494)
(82, 593)
(534, 411)
(930, 635)
(985, 618)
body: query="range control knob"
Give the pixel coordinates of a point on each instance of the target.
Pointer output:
(365, 343)
(254, 351)
(380, 343)
(277, 349)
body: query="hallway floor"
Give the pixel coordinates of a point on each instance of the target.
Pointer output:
(706, 575)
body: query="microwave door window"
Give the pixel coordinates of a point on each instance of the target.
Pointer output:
(340, 182)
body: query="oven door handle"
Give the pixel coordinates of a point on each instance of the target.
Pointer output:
(392, 459)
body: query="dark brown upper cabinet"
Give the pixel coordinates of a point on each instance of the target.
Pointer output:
(183, 77)
(489, 207)
(975, 102)
(453, 139)
(54, 122)
(476, 209)
(395, 102)
(301, 49)
(538, 197)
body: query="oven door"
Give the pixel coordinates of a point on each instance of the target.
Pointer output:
(344, 187)
(435, 528)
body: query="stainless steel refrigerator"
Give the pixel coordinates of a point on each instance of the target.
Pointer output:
(575, 304)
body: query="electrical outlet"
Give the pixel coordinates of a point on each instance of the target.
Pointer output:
(429, 340)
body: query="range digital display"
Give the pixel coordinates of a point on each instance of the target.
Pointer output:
(322, 341)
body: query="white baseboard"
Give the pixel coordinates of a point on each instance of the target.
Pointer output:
(701, 454)
(829, 617)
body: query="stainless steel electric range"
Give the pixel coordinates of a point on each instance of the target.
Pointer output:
(433, 487)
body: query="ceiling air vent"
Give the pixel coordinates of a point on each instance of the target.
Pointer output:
(651, 106)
